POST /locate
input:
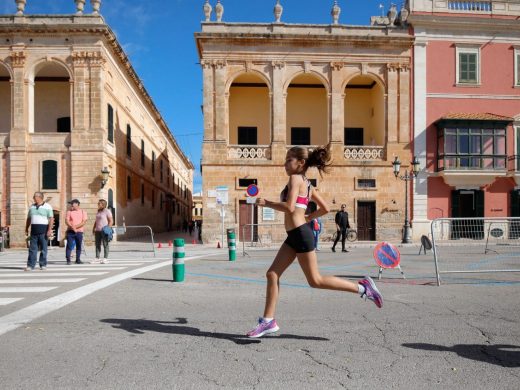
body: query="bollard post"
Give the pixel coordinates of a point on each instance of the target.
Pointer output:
(178, 260)
(232, 244)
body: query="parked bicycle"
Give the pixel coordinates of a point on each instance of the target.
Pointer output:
(351, 235)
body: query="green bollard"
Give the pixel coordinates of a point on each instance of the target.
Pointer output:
(178, 260)
(232, 245)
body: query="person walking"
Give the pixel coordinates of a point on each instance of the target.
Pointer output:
(40, 219)
(342, 225)
(75, 221)
(299, 244)
(316, 231)
(104, 219)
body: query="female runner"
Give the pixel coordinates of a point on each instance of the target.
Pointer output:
(300, 240)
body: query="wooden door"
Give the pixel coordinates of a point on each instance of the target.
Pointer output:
(247, 219)
(366, 221)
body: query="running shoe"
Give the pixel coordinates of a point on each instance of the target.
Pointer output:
(263, 328)
(371, 291)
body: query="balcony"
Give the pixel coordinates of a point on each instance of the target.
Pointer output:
(249, 152)
(471, 170)
(364, 153)
(470, 6)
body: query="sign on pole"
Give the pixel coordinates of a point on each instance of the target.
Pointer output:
(222, 193)
(387, 256)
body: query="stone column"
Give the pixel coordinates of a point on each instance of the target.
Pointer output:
(279, 112)
(337, 112)
(17, 197)
(404, 103)
(392, 106)
(221, 96)
(80, 109)
(208, 101)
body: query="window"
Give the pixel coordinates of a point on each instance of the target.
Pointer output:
(142, 194)
(161, 170)
(49, 175)
(173, 182)
(247, 135)
(153, 164)
(63, 124)
(517, 67)
(128, 188)
(300, 136)
(111, 204)
(129, 141)
(468, 69)
(110, 124)
(142, 153)
(153, 199)
(353, 136)
(472, 148)
(168, 177)
(366, 183)
(160, 204)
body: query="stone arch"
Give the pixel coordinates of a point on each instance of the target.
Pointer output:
(364, 110)
(6, 77)
(313, 73)
(252, 72)
(307, 109)
(249, 109)
(50, 96)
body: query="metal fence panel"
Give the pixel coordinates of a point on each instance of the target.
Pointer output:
(475, 245)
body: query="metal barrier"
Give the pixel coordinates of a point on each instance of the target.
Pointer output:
(261, 235)
(133, 239)
(475, 245)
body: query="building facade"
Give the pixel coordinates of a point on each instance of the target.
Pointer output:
(72, 107)
(466, 109)
(270, 86)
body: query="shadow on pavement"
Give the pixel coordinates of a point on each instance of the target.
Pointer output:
(500, 354)
(140, 326)
(154, 280)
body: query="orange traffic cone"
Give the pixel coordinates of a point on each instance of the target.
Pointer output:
(218, 244)
(170, 243)
(159, 246)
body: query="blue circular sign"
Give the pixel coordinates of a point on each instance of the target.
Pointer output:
(387, 255)
(252, 190)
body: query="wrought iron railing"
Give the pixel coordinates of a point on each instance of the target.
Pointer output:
(364, 152)
(249, 152)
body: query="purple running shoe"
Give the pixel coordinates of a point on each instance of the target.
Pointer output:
(263, 328)
(371, 291)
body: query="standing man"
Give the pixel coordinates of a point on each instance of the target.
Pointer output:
(342, 225)
(41, 220)
(75, 221)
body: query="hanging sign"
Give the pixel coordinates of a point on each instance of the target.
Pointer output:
(387, 255)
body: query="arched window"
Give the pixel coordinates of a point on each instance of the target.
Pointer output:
(5, 100)
(49, 175)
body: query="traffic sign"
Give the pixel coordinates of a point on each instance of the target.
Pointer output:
(387, 255)
(252, 190)
(250, 200)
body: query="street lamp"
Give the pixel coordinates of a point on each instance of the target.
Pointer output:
(408, 176)
(104, 174)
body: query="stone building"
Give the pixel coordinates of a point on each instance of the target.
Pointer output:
(71, 108)
(268, 86)
(466, 109)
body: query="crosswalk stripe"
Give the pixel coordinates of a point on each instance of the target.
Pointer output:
(70, 266)
(65, 268)
(26, 289)
(7, 301)
(46, 274)
(32, 281)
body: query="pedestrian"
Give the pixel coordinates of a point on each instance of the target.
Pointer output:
(342, 225)
(103, 219)
(190, 227)
(300, 243)
(41, 220)
(75, 221)
(316, 231)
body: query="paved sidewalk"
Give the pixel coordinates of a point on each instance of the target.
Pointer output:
(147, 332)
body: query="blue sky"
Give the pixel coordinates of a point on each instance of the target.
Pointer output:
(158, 37)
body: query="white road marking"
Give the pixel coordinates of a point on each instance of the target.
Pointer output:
(25, 289)
(47, 273)
(23, 316)
(32, 281)
(58, 268)
(7, 301)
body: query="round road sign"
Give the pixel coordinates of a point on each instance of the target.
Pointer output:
(252, 190)
(386, 255)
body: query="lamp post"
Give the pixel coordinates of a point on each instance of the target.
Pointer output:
(408, 176)
(104, 176)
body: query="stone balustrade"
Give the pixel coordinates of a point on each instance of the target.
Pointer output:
(249, 152)
(364, 153)
(470, 6)
(80, 6)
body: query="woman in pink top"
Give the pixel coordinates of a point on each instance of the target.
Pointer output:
(75, 221)
(103, 218)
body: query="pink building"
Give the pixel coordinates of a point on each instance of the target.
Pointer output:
(466, 109)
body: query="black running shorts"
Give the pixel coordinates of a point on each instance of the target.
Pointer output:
(301, 239)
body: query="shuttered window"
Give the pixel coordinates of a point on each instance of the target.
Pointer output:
(50, 175)
(110, 123)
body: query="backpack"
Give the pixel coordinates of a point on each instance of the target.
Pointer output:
(108, 232)
(315, 225)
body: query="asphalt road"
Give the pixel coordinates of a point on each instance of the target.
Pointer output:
(139, 330)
